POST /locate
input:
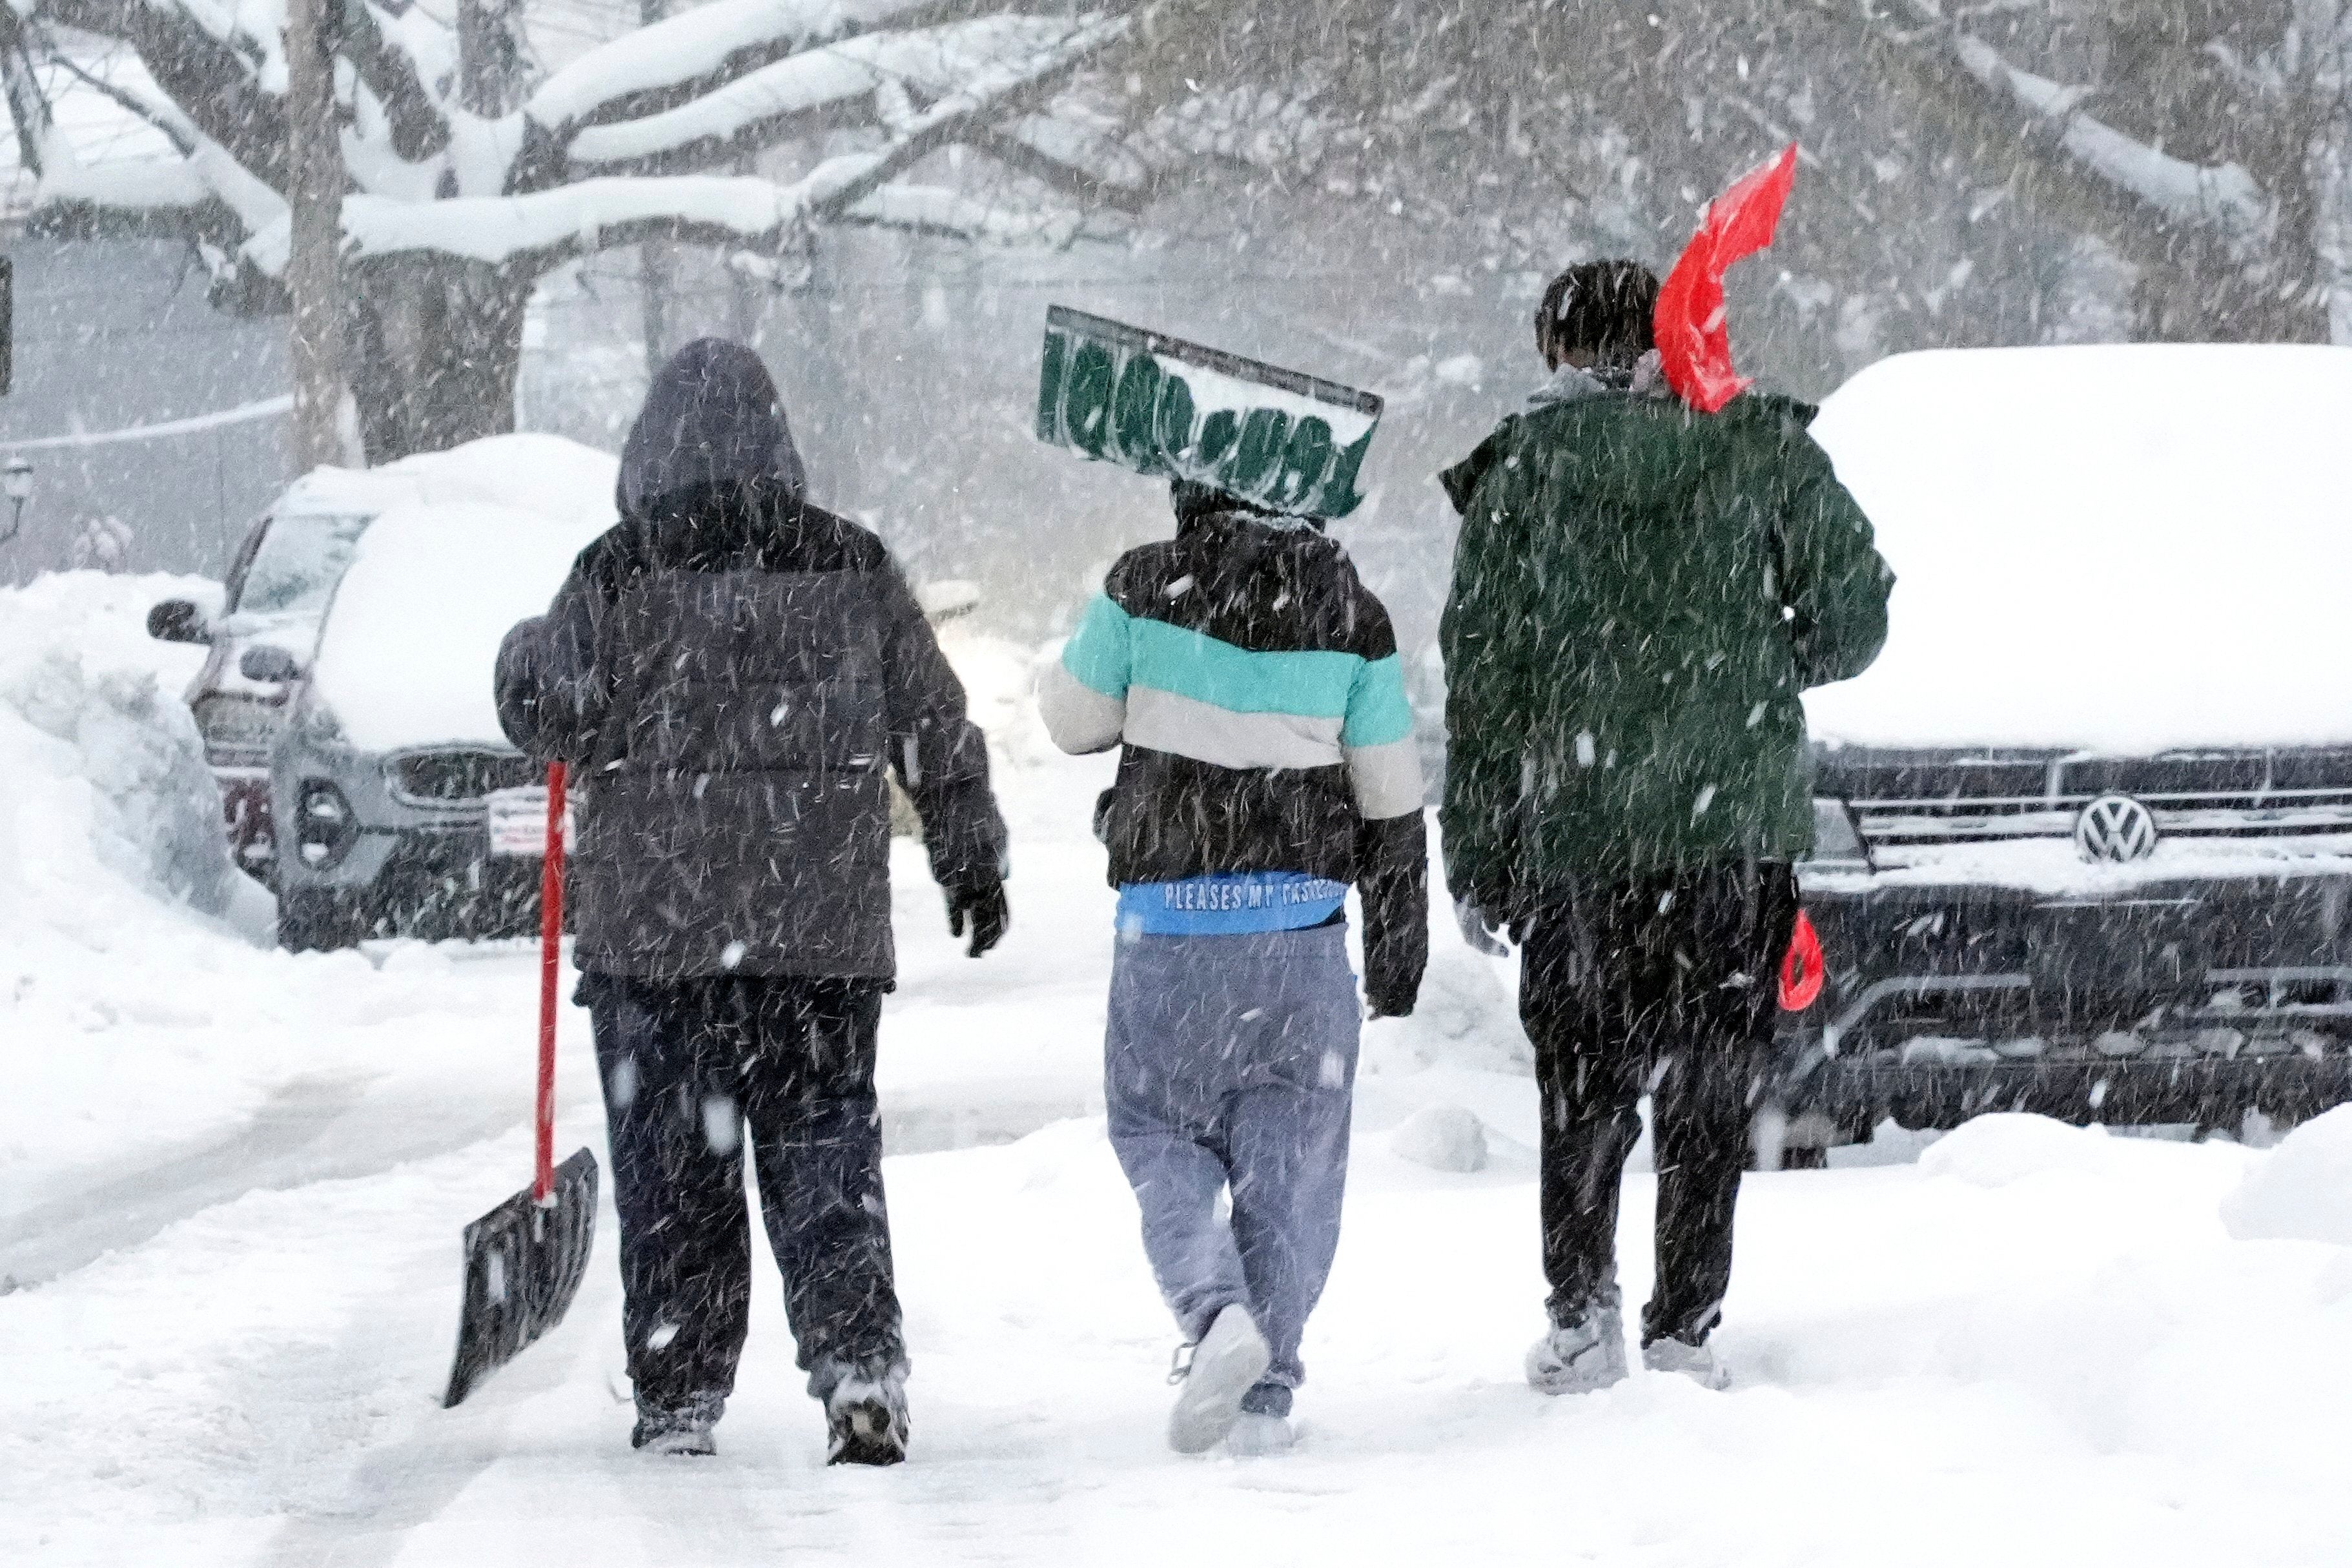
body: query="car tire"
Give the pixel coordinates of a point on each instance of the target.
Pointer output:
(311, 920)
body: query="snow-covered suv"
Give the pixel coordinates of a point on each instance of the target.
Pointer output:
(2085, 841)
(400, 807)
(285, 572)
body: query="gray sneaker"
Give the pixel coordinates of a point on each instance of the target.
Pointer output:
(1696, 1362)
(1227, 1362)
(1583, 1356)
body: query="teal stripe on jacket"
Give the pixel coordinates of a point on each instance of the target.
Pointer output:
(1113, 651)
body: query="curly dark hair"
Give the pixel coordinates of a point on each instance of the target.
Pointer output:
(1601, 307)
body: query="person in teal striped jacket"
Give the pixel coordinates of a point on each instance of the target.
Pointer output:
(1267, 764)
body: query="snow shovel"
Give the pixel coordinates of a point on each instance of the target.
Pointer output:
(1162, 407)
(525, 1257)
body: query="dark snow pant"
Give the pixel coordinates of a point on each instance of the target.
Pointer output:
(1230, 1065)
(690, 1071)
(1666, 984)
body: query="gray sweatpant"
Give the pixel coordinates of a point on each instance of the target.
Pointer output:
(1231, 1064)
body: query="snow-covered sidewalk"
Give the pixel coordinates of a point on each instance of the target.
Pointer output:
(232, 1184)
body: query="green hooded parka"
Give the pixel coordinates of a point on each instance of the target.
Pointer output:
(1642, 594)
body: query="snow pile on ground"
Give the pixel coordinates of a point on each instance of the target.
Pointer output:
(2007, 1147)
(2302, 1191)
(101, 771)
(2123, 548)
(1441, 1137)
(1000, 689)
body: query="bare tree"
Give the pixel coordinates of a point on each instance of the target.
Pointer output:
(455, 205)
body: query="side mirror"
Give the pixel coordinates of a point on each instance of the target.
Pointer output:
(274, 666)
(178, 621)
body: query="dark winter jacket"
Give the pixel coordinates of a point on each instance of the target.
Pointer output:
(730, 670)
(1255, 686)
(1640, 595)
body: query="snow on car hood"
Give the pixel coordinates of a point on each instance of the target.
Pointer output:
(2122, 549)
(407, 655)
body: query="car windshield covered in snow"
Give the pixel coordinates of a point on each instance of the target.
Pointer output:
(303, 557)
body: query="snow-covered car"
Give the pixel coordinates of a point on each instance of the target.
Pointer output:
(400, 806)
(281, 578)
(2086, 828)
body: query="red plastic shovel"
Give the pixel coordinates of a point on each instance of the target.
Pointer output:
(525, 1257)
(1694, 342)
(1804, 969)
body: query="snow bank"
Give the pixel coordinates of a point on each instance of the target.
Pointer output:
(103, 773)
(407, 655)
(2303, 1190)
(2123, 549)
(1442, 1138)
(999, 689)
(2007, 1147)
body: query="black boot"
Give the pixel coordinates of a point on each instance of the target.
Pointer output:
(684, 1428)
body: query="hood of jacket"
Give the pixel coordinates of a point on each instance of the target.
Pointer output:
(711, 420)
(1644, 378)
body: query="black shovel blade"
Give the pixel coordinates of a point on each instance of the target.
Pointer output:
(523, 1265)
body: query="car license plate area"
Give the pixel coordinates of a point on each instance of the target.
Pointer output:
(2144, 945)
(516, 820)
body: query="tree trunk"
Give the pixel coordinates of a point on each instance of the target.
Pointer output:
(438, 343)
(2328, 36)
(315, 197)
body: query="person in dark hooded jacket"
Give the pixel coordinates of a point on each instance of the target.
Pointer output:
(730, 670)
(1267, 762)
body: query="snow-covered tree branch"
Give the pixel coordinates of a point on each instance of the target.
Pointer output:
(459, 200)
(2225, 198)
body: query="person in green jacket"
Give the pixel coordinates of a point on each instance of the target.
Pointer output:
(1642, 594)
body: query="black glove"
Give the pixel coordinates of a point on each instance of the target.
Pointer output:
(983, 901)
(1479, 929)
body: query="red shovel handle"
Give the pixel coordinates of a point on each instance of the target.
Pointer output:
(550, 965)
(1804, 969)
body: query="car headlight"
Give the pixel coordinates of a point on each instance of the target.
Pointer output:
(1837, 841)
(325, 826)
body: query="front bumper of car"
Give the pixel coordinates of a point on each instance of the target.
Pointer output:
(2194, 987)
(400, 864)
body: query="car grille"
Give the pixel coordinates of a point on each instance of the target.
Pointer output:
(458, 775)
(1917, 800)
(237, 730)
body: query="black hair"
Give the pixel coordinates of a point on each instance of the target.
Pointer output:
(1192, 499)
(1606, 308)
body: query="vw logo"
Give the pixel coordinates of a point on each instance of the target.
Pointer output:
(2116, 828)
